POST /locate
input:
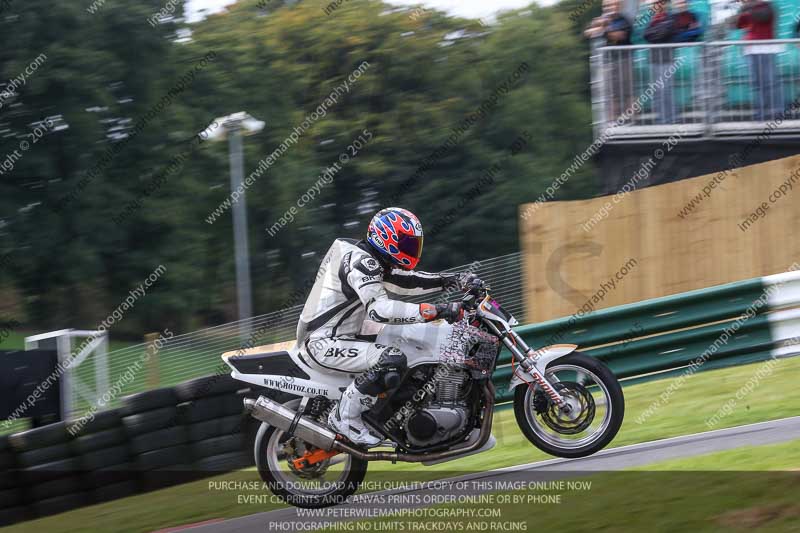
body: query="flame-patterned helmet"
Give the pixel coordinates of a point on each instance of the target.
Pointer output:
(397, 235)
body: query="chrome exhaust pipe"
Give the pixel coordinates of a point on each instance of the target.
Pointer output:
(291, 422)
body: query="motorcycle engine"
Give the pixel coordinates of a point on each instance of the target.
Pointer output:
(447, 413)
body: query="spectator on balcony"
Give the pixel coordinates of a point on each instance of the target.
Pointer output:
(678, 25)
(613, 28)
(612, 25)
(757, 18)
(687, 24)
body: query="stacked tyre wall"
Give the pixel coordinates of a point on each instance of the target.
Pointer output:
(155, 439)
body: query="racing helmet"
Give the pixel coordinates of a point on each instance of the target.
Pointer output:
(396, 234)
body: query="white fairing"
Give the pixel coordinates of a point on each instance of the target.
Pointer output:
(542, 357)
(422, 343)
(329, 385)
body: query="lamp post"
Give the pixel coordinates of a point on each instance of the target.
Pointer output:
(233, 127)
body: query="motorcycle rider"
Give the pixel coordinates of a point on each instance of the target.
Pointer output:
(351, 286)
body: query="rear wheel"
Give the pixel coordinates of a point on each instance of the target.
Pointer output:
(325, 483)
(596, 408)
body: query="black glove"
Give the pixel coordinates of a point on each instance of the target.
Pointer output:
(458, 280)
(452, 312)
(450, 281)
(472, 283)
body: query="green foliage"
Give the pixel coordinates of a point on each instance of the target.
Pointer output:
(428, 72)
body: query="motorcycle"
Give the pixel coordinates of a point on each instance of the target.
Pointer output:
(566, 403)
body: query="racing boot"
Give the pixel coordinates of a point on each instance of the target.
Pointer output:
(346, 418)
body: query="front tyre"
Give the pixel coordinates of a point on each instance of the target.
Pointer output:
(327, 483)
(597, 407)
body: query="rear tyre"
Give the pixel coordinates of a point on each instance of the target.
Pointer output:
(328, 483)
(598, 408)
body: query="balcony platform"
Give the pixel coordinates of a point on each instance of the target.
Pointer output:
(707, 90)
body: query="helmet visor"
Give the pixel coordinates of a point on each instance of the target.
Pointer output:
(411, 245)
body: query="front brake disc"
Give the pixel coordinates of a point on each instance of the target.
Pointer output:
(568, 424)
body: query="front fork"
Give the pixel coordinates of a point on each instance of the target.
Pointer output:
(526, 357)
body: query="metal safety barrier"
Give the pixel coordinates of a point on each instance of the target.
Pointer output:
(725, 325)
(711, 89)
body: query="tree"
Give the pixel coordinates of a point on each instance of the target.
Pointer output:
(454, 120)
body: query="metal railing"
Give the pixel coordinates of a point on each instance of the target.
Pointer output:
(716, 88)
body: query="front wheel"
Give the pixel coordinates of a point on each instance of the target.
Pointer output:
(596, 408)
(326, 483)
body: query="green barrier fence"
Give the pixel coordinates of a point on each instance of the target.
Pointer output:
(729, 324)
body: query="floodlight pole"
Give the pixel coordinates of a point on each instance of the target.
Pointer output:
(244, 295)
(234, 127)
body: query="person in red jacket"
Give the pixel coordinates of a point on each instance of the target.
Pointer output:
(757, 18)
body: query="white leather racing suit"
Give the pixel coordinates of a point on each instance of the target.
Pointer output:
(352, 286)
